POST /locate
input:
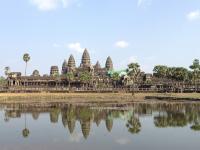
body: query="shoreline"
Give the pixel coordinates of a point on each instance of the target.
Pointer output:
(9, 98)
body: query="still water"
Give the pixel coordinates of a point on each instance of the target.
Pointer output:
(166, 126)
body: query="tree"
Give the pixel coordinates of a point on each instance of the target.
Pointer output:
(133, 72)
(2, 81)
(7, 71)
(25, 133)
(160, 71)
(115, 77)
(196, 71)
(180, 74)
(26, 58)
(134, 125)
(85, 77)
(70, 78)
(170, 72)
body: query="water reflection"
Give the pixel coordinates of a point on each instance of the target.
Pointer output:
(164, 115)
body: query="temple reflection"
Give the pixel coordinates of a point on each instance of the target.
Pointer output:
(164, 115)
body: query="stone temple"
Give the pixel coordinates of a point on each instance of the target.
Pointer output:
(84, 75)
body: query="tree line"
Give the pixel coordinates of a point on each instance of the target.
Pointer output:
(191, 75)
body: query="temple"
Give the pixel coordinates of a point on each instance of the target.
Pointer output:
(85, 75)
(88, 77)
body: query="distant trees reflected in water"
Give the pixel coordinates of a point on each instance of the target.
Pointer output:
(164, 115)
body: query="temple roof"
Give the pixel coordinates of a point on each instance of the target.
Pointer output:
(54, 67)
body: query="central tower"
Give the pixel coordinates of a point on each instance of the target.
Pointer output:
(85, 61)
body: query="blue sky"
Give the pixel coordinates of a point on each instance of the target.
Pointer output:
(149, 32)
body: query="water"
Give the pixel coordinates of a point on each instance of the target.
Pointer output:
(73, 127)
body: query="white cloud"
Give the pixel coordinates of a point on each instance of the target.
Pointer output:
(76, 47)
(122, 44)
(144, 3)
(194, 15)
(123, 141)
(48, 5)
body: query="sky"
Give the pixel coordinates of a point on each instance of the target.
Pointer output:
(150, 32)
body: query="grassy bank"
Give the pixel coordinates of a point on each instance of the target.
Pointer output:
(64, 97)
(84, 97)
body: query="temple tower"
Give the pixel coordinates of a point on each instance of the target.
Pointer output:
(71, 63)
(97, 65)
(85, 62)
(109, 64)
(54, 71)
(64, 67)
(36, 73)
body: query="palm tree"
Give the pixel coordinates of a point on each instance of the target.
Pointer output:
(26, 58)
(160, 71)
(25, 131)
(70, 77)
(181, 75)
(7, 70)
(170, 72)
(133, 72)
(134, 125)
(196, 70)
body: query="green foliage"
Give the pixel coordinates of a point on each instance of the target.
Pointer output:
(7, 70)
(174, 73)
(85, 77)
(160, 71)
(115, 76)
(25, 133)
(133, 71)
(171, 120)
(69, 76)
(195, 127)
(133, 125)
(2, 81)
(195, 65)
(178, 73)
(196, 70)
(26, 57)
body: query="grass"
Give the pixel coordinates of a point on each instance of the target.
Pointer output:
(63, 97)
(84, 97)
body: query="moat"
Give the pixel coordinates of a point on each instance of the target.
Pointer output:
(141, 126)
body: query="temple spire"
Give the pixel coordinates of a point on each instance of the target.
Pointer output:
(64, 67)
(97, 65)
(85, 62)
(71, 62)
(109, 63)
